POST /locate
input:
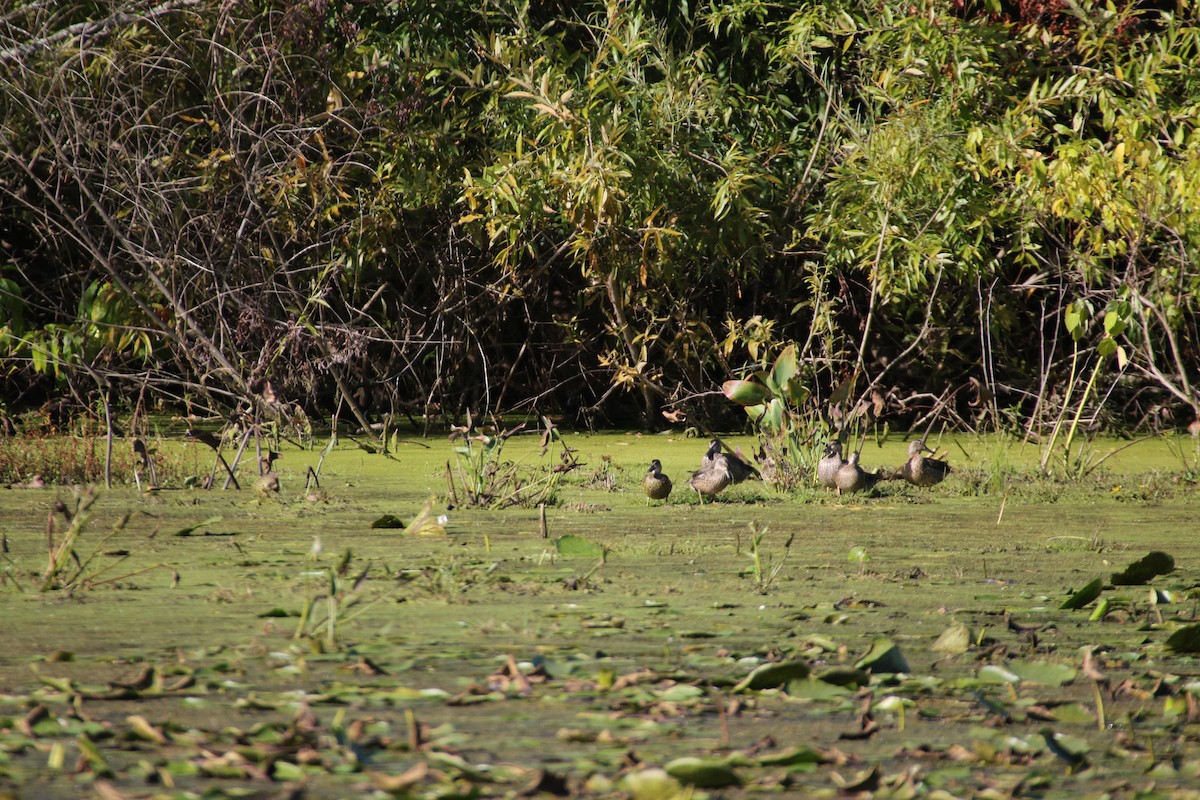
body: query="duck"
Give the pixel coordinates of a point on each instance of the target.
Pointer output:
(711, 479)
(830, 463)
(922, 471)
(851, 477)
(738, 469)
(267, 484)
(656, 483)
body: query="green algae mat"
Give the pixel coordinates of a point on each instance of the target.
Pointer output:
(994, 636)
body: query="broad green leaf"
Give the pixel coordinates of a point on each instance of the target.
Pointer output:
(745, 393)
(1141, 571)
(785, 367)
(1073, 714)
(1084, 596)
(954, 640)
(571, 545)
(796, 392)
(994, 673)
(681, 693)
(1185, 640)
(705, 773)
(883, 657)
(841, 676)
(792, 756)
(1046, 673)
(770, 676)
(773, 419)
(814, 689)
(652, 784)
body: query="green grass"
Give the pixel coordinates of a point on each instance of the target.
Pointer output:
(286, 642)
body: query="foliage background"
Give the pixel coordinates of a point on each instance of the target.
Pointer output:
(602, 209)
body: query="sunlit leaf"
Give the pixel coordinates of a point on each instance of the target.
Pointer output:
(652, 784)
(770, 676)
(1185, 640)
(994, 673)
(883, 657)
(814, 689)
(1046, 673)
(955, 639)
(705, 773)
(1084, 596)
(745, 393)
(577, 546)
(785, 367)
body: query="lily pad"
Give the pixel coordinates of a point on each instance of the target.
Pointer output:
(816, 689)
(652, 784)
(571, 545)
(883, 657)
(993, 673)
(705, 773)
(1084, 596)
(954, 640)
(1185, 640)
(770, 676)
(1144, 569)
(1045, 673)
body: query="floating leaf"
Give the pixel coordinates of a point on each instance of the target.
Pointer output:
(846, 677)
(705, 773)
(954, 640)
(792, 756)
(188, 531)
(883, 657)
(1046, 673)
(993, 673)
(681, 693)
(1141, 571)
(571, 545)
(1070, 749)
(651, 784)
(815, 689)
(1084, 596)
(1185, 640)
(770, 676)
(1073, 714)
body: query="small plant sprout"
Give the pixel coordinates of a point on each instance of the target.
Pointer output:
(765, 572)
(858, 555)
(895, 705)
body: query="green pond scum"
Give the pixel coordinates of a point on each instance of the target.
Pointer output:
(1002, 634)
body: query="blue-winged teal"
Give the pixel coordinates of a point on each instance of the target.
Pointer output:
(711, 479)
(922, 471)
(830, 463)
(656, 483)
(853, 478)
(738, 469)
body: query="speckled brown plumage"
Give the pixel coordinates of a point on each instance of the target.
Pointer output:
(656, 483)
(922, 471)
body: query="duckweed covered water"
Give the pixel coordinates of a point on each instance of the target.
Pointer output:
(933, 654)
